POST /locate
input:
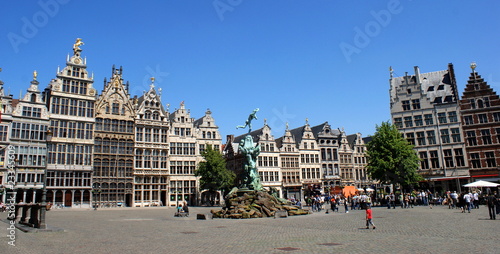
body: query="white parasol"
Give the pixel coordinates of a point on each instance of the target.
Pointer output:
(481, 183)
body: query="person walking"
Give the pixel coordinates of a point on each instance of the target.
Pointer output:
(461, 202)
(475, 202)
(346, 204)
(454, 199)
(491, 201)
(467, 200)
(369, 217)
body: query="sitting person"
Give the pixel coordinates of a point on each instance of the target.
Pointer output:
(185, 207)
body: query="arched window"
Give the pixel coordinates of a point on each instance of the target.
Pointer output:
(156, 116)
(33, 97)
(480, 104)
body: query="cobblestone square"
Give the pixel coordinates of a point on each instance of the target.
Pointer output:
(156, 230)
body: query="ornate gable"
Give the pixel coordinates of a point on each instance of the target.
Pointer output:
(150, 107)
(207, 121)
(74, 78)
(114, 102)
(181, 115)
(32, 104)
(266, 133)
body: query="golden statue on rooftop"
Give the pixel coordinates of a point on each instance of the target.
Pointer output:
(78, 43)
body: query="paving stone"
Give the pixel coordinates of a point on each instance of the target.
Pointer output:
(156, 230)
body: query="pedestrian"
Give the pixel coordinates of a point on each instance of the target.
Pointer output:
(369, 217)
(491, 201)
(346, 204)
(467, 201)
(407, 201)
(461, 202)
(454, 199)
(392, 200)
(333, 204)
(475, 196)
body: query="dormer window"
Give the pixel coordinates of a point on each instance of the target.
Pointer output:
(156, 116)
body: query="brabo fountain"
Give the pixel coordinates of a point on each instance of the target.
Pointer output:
(251, 199)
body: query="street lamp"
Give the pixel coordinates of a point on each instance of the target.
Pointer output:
(48, 138)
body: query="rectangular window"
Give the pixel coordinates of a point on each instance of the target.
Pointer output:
(434, 159)
(115, 110)
(442, 117)
(415, 104)
(496, 116)
(486, 102)
(421, 138)
(424, 161)
(483, 118)
(468, 120)
(431, 137)
(398, 122)
(498, 134)
(428, 119)
(406, 105)
(471, 138)
(452, 116)
(448, 158)
(418, 121)
(411, 138)
(408, 121)
(472, 103)
(474, 159)
(459, 157)
(486, 136)
(445, 136)
(490, 159)
(455, 135)
(3, 132)
(147, 135)
(139, 134)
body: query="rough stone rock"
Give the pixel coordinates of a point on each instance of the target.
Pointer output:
(254, 204)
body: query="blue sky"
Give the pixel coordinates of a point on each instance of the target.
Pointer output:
(321, 60)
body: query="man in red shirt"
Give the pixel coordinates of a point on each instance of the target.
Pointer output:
(369, 217)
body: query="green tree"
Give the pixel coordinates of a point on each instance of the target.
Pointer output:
(391, 159)
(214, 174)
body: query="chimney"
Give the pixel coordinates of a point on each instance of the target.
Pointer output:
(417, 75)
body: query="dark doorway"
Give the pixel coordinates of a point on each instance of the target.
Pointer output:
(163, 198)
(128, 200)
(67, 199)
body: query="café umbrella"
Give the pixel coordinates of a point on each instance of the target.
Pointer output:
(480, 183)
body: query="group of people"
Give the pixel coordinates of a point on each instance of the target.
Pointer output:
(466, 201)
(356, 202)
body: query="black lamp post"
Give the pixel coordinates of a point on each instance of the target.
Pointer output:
(42, 225)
